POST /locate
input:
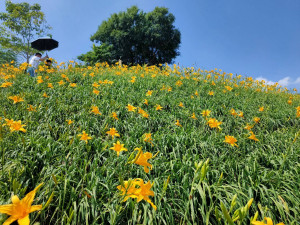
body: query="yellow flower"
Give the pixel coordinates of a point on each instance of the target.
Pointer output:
(16, 99)
(211, 93)
(148, 138)
(248, 126)
(252, 136)
(70, 122)
(228, 88)
(289, 102)
(213, 123)
(84, 137)
(96, 92)
(145, 101)
(39, 80)
(256, 119)
(194, 116)
(50, 85)
(31, 108)
(6, 84)
(261, 109)
(128, 188)
(19, 209)
(95, 110)
(206, 113)
(230, 140)
(114, 115)
(143, 158)
(144, 192)
(158, 107)
(181, 105)
(118, 147)
(268, 220)
(145, 114)
(131, 108)
(178, 83)
(137, 189)
(149, 93)
(113, 132)
(178, 124)
(8, 122)
(233, 112)
(73, 85)
(241, 114)
(96, 85)
(45, 95)
(61, 82)
(17, 126)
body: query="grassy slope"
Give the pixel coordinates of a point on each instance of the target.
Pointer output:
(267, 171)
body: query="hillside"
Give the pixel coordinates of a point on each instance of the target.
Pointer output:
(203, 143)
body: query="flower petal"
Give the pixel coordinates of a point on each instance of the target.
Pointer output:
(7, 209)
(28, 199)
(35, 208)
(269, 221)
(10, 220)
(24, 221)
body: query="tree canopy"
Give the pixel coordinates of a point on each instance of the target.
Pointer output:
(136, 37)
(21, 23)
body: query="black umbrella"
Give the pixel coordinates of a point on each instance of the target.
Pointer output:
(44, 44)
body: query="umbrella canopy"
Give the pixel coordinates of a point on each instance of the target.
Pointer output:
(44, 44)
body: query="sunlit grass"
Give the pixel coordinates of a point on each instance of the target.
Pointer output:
(82, 175)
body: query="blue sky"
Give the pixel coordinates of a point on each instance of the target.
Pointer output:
(258, 38)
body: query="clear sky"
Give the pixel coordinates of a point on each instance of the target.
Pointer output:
(258, 38)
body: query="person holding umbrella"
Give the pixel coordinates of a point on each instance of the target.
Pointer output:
(41, 44)
(34, 63)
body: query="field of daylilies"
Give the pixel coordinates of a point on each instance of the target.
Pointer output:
(146, 145)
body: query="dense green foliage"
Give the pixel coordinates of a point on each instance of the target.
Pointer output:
(21, 23)
(136, 37)
(84, 176)
(6, 56)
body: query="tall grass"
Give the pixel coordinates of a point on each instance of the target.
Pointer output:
(83, 177)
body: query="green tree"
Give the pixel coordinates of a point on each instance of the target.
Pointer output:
(136, 37)
(6, 56)
(21, 23)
